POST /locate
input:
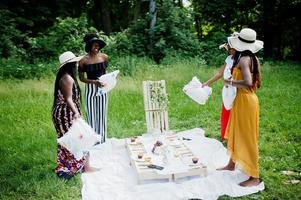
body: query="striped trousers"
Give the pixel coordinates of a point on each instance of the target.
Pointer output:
(97, 107)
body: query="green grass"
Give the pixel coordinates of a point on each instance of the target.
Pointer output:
(28, 138)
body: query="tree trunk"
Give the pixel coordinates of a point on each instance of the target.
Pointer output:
(268, 29)
(106, 20)
(153, 15)
(101, 17)
(137, 9)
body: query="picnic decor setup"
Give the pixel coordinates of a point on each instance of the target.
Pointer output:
(162, 162)
(170, 159)
(129, 169)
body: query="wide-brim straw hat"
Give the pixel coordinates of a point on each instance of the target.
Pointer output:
(68, 57)
(245, 40)
(226, 45)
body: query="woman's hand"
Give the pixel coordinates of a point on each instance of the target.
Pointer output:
(77, 115)
(99, 84)
(205, 84)
(228, 82)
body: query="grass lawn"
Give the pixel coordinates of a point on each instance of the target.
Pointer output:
(28, 138)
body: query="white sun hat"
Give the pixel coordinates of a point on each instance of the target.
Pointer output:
(68, 57)
(227, 45)
(245, 40)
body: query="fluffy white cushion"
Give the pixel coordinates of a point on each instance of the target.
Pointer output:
(109, 80)
(79, 138)
(228, 94)
(196, 92)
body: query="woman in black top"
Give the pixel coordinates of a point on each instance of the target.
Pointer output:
(91, 67)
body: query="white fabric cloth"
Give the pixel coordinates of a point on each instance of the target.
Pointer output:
(109, 80)
(229, 91)
(117, 179)
(79, 138)
(196, 92)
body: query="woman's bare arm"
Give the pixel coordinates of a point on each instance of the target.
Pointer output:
(216, 76)
(66, 84)
(245, 65)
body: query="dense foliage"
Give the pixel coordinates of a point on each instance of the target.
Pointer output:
(34, 33)
(41, 57)
(172, 33)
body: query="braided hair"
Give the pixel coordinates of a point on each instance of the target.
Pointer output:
(69, 68)
(255, 70)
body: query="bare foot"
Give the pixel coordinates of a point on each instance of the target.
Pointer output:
(230, 166)
(227, 167)
(91, 169)
(250, 182)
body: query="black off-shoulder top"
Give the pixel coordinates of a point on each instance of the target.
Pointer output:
(94, 71)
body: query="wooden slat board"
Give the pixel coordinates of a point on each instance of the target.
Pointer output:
(145, 173)
(156, 113)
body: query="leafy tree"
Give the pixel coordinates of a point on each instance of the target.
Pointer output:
(66, 35)
(276, 22)
(9, 34)
(281, 28)
(24, 19)
(172, 32)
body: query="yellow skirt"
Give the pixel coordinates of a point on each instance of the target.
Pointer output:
(243, 130)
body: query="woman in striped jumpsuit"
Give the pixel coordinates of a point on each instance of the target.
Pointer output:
(91, 67)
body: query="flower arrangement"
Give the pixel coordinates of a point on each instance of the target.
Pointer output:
(158, 95)
(155, 147)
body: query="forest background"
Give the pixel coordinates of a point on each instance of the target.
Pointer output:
(33, 33)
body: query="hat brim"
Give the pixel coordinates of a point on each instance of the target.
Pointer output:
(239, 45)
(75, 59)
(100, 42)
(222, 46)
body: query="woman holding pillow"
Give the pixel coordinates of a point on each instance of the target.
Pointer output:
(65, 109)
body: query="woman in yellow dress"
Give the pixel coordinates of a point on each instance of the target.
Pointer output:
(243, 127)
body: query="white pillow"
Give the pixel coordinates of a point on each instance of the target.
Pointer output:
(196, 92)
(79, 138)
(229, 64)
(109, 80)
(228, 94)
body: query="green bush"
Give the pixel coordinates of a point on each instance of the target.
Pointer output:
(172, 32)
(210, 51)
(10, 35)
(66, 35)
(15, 67)
(128, 65)
(41, 58)
(177, 58)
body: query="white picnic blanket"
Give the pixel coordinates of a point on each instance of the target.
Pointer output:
(117, 179)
